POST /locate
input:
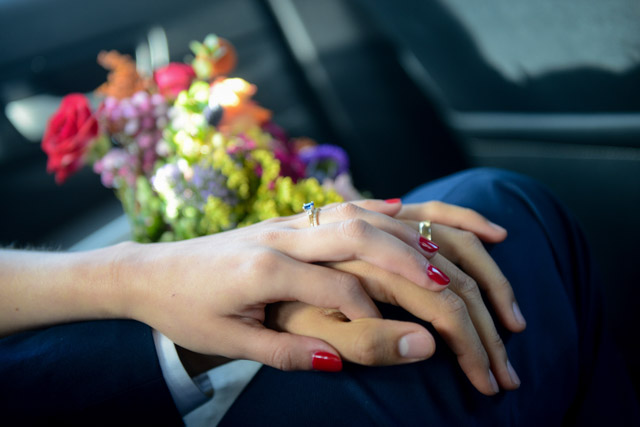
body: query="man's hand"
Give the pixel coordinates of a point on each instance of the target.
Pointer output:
(458, 313)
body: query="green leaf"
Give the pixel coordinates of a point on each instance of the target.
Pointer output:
(203, 68)
(198, 49)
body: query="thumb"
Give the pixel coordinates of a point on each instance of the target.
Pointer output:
(367, 341)
(287, 352)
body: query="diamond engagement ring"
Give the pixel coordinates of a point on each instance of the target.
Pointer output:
(312, 213)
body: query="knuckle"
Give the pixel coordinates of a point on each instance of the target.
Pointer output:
(453, 304)
(470, 240)
(281, 358)
(269, 236)
(412, 255)
(354, 228)
(333, 205)
(468, 287)
(263, 261)
(503, 284)
(469, 212)
(436, 208)
(495, 340)
(349, 284)
(366, 347)
(347, 210)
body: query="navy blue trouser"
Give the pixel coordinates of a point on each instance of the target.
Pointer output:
(569, 370)
(85, 373)
(107, 372)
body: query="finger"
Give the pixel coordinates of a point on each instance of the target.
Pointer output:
(465, 249)
(371, 342)
(452, 321)
(280, 350)
(444, 310)
(390, 207)
(466, 288)
(349, 211)
(290, 280)
(357, 239)
(454, 216)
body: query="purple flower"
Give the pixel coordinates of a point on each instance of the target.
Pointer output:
(117, 163)
(183, 185)
(207, 181)
(324, 161)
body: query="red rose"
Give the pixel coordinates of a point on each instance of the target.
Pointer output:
(174, 78)
(68, 133)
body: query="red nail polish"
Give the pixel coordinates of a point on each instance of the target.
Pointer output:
(428, 245)
(437, 276)
(327, 362)
(392, 201)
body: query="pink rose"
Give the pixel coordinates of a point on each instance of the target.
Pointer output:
(174, 78)
(68, 133)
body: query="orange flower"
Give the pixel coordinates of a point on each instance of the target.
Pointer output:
(227, 61)
(214, 57)
(240, 111)
(123, 80)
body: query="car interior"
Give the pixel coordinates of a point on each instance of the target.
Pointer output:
(412, 90)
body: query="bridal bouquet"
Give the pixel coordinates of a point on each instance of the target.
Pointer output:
(187, 151)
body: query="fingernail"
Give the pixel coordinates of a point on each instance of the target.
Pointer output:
(327, 362)
(392, 201)
(497, 227)
(494, 383)
(428, 245)
(512, 373)
(437, 276)
(416, 345)
(518, 314)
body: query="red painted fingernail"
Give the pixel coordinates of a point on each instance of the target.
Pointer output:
(428, 245)
(327, 362)
(437, 276)
(391, 201)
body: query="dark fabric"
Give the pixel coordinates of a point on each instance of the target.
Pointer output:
(569, 370)
(107, 372)
(88, 373)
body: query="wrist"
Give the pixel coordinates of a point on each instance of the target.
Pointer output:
(140, 274)
(126, 268)
(102, 290)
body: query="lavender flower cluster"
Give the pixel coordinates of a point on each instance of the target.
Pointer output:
(183, 185)
(116, 166)
(136, 124)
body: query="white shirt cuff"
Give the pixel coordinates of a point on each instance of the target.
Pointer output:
(228, 381)
(185, 393)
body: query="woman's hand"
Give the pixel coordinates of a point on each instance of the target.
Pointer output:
(209, 294)
(460, 232)
(458, 313)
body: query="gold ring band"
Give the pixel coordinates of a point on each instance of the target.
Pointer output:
(313, 217)
(312, 213)
(425, 229)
